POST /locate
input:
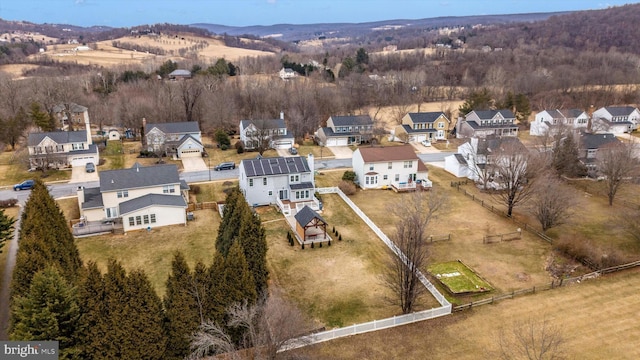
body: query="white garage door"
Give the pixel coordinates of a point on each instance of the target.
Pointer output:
(82, 160)
(337, 142)
(190, 153)
(283, 144)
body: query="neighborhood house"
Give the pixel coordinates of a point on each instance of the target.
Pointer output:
(180, 139)
(266, 134)
(139, 198)
(287, 182)
(346, 130)
(397, 167)
(550, 121)
(483, 123)
(58, 149)
(588, 147)
(417, 127)
(616, 119)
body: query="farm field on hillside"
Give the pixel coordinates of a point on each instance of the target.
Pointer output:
(597, 319)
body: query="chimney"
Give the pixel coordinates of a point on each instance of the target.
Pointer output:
(80, 193)
(312, 168)
(87, 127)
(281, 115)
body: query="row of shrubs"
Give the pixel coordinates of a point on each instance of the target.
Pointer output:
(8, 203)
(580, 249)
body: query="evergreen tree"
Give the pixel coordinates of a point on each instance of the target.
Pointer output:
(94, 322)
(478, 100)
(6, 228)
(253, 239)
(48, 311)
(181, 308)
(200, 288)
(566, 158)
(231, 221)
(216, 301)
(45, 239)
(239, 285)
(41, 118)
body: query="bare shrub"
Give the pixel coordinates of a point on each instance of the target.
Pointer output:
(347, 187)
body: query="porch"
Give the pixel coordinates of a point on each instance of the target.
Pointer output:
(290, 208)
(411, 185)
(82, 228)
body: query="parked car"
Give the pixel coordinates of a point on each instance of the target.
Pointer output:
(225, 166)
(293, 151)
(25, 185)
(426, 143)
(90, 167)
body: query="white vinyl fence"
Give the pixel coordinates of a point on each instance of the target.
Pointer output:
(374, 325)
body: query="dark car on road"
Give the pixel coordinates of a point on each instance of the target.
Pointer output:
(225, 166)
(25, 185)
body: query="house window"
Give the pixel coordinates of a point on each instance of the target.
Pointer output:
(408, 164)
(295, 178)
(145, 219)
(389, 165)
(59, 148)
(131, 221)
(306, 194)
(250, 182)
(111, 212)
(385, 177)
(264, 181)
(397, 177)
(77, 146)
(270, 193)
(138, 220)
(441, 125)
(123, 194)
(153, 218)
(371, 167)
(168, 189)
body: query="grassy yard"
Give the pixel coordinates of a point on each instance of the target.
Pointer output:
(13, 171)
(597, 318)
(458, 278)
(337, 285)
(153, 251)
(211, 191)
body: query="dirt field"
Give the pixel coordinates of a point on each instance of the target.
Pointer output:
(597, 318)
(387, 114)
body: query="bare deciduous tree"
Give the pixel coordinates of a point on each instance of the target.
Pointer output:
(515, 168)
(532, 339)
(617, 164)
(551, 203)
(414, 214)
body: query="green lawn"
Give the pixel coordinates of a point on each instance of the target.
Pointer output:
(458, 278)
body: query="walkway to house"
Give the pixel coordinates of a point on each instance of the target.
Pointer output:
(341, 152)
(194, 164)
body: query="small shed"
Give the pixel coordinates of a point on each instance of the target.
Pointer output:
(310, 226)
(113, 134)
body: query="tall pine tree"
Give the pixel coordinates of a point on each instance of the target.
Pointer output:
(182, 310)
(48, 311)
(94, 325)
(6, 228)
(231, 221)
(254, 244)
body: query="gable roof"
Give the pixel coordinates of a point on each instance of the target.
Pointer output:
(180, 72)
(73, 107)
(595, 141)
(151, 200)
(174, 128)
(352, 120)
(304, 216)
(489, 114)
(263, 124)
(275, 166)
(60, 137)
(490, 145)
(620, 110)
(138, 176)
(426, 117)
(389, 153)
(571, 113)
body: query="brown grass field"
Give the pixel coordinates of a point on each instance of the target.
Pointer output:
(597, 319)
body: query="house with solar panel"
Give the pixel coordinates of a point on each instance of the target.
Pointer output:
(417, 127)
(179, 139)
(615, 119)
(287, 182)
(140, 197)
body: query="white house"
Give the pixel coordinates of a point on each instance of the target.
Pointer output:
(58, 149)
(547, 121)
(182, 139)
(397, 167)
(346, 130)
(271, 131)
(457, 165)
(615, 119)
(287, 73)
(139, 197)
(483, 123)
(285, 181)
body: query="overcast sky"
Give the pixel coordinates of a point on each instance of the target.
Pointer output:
(127, 13)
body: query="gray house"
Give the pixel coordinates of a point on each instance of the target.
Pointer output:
(346, 130)
(182, 139)
(483, 123)
(287, 182)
